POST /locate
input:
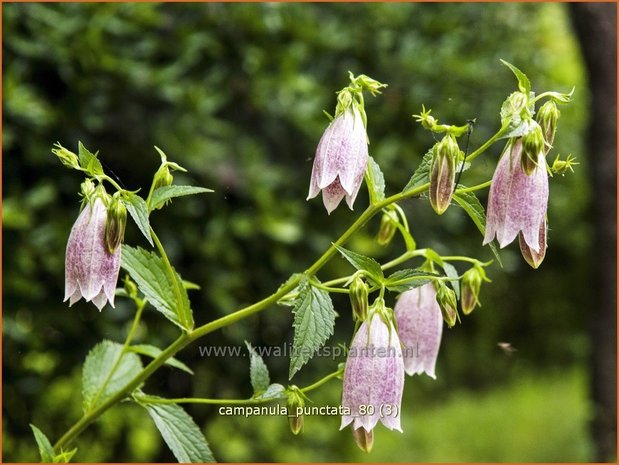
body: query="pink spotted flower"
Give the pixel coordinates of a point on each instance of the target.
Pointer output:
(373, 377)
(517, 202)
(341, 159)
(91, 271)
(420, 327)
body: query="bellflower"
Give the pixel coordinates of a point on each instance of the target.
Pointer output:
(420, 327)
(341, 159)
(91, 271)
(517, 202)
(373, 377)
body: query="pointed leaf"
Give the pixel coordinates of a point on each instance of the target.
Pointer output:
(136, 206)
(376, 181)
(180, 433)
(154, 352)
(163, 194)
(106, 371)
(258, 371)
(405, 280)
(150, 274)
(314, 320)
(421, 175)
(471, 205)
(89, 161)
(274, 391)
(524, 85)
(361, 262)
(46, 451)
(451, 272)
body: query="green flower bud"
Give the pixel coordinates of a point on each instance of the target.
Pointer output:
(295, 403)
(513, 107)
(563, 166)
(446, 299)
(66, 157)
(359, 298)
(364, 439)
(547, 117)
(88, 188)
(443, 173)
(532, 145)
(130, 287)
(470, 284)
(162, 178)
(388, 227)
(115, 224)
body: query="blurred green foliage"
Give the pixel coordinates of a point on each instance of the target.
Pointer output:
(235, 93)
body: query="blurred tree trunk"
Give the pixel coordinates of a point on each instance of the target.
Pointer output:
(596, 27)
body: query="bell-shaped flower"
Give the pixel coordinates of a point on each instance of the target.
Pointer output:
(532, 257)
(341, 159)
(91, 271)
(517, 202)
(373, 377)
(420, 328)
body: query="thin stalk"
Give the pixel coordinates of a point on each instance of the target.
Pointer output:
(478, 187)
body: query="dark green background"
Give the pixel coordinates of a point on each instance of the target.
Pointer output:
(235, 94)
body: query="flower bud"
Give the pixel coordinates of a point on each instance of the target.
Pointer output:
(294, 404)
(130, 287)
(513, 106)
(446, 299)
(532, 257)
(532, 145)
(66, 157)
(469, 289)
(162, 178)
(88, 188)
(443, 173)
(364, 439)
(388, 227)
(547, 117)
(115, 224)
(359, 298)
(563, 166)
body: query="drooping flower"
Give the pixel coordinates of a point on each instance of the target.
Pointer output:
(532, 257)
(91, 271)
(420, 327)
(517, 202)
(341, 159)
(443, 174)
(373, 377)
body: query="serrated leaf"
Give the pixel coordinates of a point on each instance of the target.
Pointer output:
(314, 320)
(136, 206)
(150, 274)
(376, 181)
(403, 280)
(46, 451)
(258, 371)
(471, 205)
(89, 161)
(451, 272)
(165, 193)
(524, 85)
(274, 391)
(363, 263)
(107, 370)
(421, 175)
(180, 433)
(154, 352)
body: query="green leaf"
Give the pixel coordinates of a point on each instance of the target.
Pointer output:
(451, 272)
(163, 194)
(524, 85)
(274, 391)
(363, 263)
(65, 456)
(404, 280)
(89, 161)
(180, 433)
(106, 371)
(136, 206)
(154, 352)
(150, 274)
(376, 181)
(421, 175)
(45, 447)
(314, 320)
(471, 205)
(258, 371)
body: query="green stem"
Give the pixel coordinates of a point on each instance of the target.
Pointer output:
(322, 381)
(199, 400)
(180, 310)
(488, 143)
(186, 338)
(478, 187)
(339, 290)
